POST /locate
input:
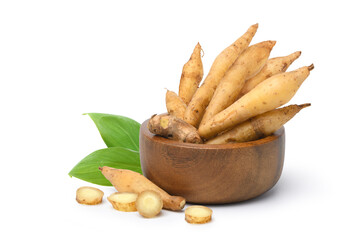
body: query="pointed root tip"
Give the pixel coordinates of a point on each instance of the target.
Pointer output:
(266, 44)
(182, 204)
(272, 43)
(200, 50)
(197, 48)
(311, 67)
(256, 25)
(305, 105)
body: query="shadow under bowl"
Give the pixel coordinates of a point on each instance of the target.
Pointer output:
(212, 174)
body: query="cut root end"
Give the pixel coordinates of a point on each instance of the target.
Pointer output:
(311, 67)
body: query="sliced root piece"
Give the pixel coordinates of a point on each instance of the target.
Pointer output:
(124, 201)
(89, 195)
(198, 214)
(149, 204)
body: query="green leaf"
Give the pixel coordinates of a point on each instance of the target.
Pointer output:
(116, 157)
(117, 131)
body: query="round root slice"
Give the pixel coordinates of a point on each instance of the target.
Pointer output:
(198, 214)
(124, 201)
(89, 195)
(149, 203)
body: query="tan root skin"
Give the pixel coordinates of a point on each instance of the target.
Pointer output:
(268, 95)
(196, 108)
(260, 126)
(149, 204)
(272, 67)
(191, 76)
(175, 105)
(174, 128)
(130, 181)
(248, 64)
(89, 195)
(123, 201)
(198, 214)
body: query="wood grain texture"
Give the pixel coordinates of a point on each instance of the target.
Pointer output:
(212, 174)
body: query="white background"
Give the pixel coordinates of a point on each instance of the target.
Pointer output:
(59, 59)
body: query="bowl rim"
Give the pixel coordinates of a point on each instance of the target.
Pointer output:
(146, 133)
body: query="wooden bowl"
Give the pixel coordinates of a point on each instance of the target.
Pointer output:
(212, 174)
